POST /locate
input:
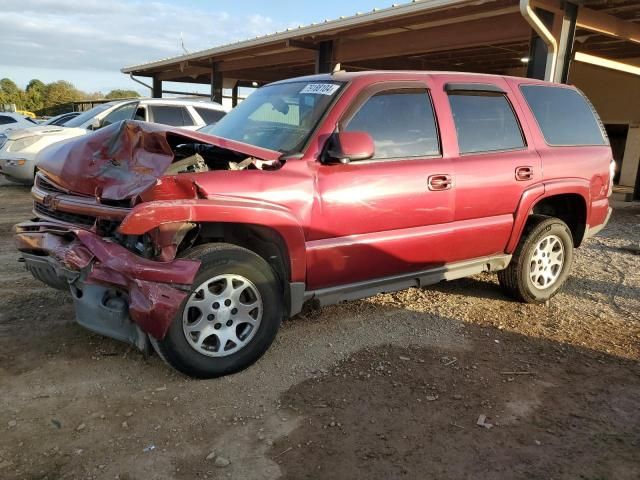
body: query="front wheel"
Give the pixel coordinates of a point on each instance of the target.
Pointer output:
(541, 262)
(230, 317)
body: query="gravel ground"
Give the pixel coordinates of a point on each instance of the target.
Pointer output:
(390, 386)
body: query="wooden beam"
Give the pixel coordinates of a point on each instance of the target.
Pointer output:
(292, 43)
(170, 75)
(596, 21)
(486, 31)
(288, 58)
(608, 25)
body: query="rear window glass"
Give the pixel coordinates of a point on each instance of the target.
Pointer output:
(564, 115)
(485, 122)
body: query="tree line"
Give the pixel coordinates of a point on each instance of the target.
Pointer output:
(50, 97)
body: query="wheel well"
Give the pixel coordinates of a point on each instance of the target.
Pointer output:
(261, 240)
(570, 208)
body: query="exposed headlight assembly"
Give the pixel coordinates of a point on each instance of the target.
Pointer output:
(16, 163)
(22, 143)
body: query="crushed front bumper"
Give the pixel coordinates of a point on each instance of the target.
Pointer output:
(116, 292)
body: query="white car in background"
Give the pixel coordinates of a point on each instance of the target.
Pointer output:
(60, 119)
(13, 121)
(19, 148)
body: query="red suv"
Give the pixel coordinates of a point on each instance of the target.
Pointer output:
(316, 189)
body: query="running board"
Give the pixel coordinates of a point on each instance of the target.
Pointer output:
(452, 271)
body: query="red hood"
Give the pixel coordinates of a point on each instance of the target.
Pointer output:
(123, 160)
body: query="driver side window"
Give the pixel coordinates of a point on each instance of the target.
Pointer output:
(401, 123)
(125, 112)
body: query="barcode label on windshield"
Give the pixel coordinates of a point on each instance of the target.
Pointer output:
(320, 88)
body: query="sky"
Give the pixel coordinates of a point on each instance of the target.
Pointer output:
(87, 42)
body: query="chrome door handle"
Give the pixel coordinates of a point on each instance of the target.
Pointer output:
(524, 173)
(440, 182)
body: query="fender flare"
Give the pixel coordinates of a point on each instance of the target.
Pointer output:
(149, 215)
(537, 193)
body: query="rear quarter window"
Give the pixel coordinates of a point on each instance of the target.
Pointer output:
(564, 116)
(209, 115)
(175, 116)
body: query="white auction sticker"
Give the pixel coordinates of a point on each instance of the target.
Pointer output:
(320, 88)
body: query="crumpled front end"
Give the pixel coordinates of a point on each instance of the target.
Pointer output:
(127, 285)
(146, 292)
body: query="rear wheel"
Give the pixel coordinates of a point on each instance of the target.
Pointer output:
(541, 262)
(230, 317)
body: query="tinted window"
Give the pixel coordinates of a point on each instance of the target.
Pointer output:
(123, 113)
(5, 119)
(564, 116)
(171, 115)
(401, 123)
(209, 115)
(484, 122)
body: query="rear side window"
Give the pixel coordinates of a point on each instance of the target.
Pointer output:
(171, 115)
(209, 115)
(401, 123)
(4, 120)
(564, 115)
(485, 122)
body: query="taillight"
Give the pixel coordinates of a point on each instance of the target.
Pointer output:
(612, 173)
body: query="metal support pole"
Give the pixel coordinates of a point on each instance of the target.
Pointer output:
(324, 57)
(234, 95)
(156, 91)
(538, 50)
(565, 45)
(216, 85)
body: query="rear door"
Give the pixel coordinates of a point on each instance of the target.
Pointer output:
(493, 165)
(377, 218)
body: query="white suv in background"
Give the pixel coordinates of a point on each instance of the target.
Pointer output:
(19, 148)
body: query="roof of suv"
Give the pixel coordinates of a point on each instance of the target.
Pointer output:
(344, 76)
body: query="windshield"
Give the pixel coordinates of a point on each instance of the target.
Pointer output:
(278, 117)
(88, 115)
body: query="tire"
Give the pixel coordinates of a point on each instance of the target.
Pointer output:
(541, 262)
(210, 312)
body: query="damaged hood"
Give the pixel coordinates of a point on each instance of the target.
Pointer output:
(125, 159)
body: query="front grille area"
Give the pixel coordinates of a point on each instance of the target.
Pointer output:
(75, 219)
(43, 184)
(3, 140)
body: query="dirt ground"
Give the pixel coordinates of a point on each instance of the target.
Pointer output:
(450, 382)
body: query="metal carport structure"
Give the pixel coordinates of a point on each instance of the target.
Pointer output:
(534, 38)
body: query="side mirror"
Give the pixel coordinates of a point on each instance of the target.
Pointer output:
(95, 124)
(345, 147)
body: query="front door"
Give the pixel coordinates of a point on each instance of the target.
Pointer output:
(388, 215)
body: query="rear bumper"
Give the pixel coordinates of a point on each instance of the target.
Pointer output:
(112, 287)
(595, 229)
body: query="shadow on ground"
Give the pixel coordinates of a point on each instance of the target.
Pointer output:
(555, 411)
